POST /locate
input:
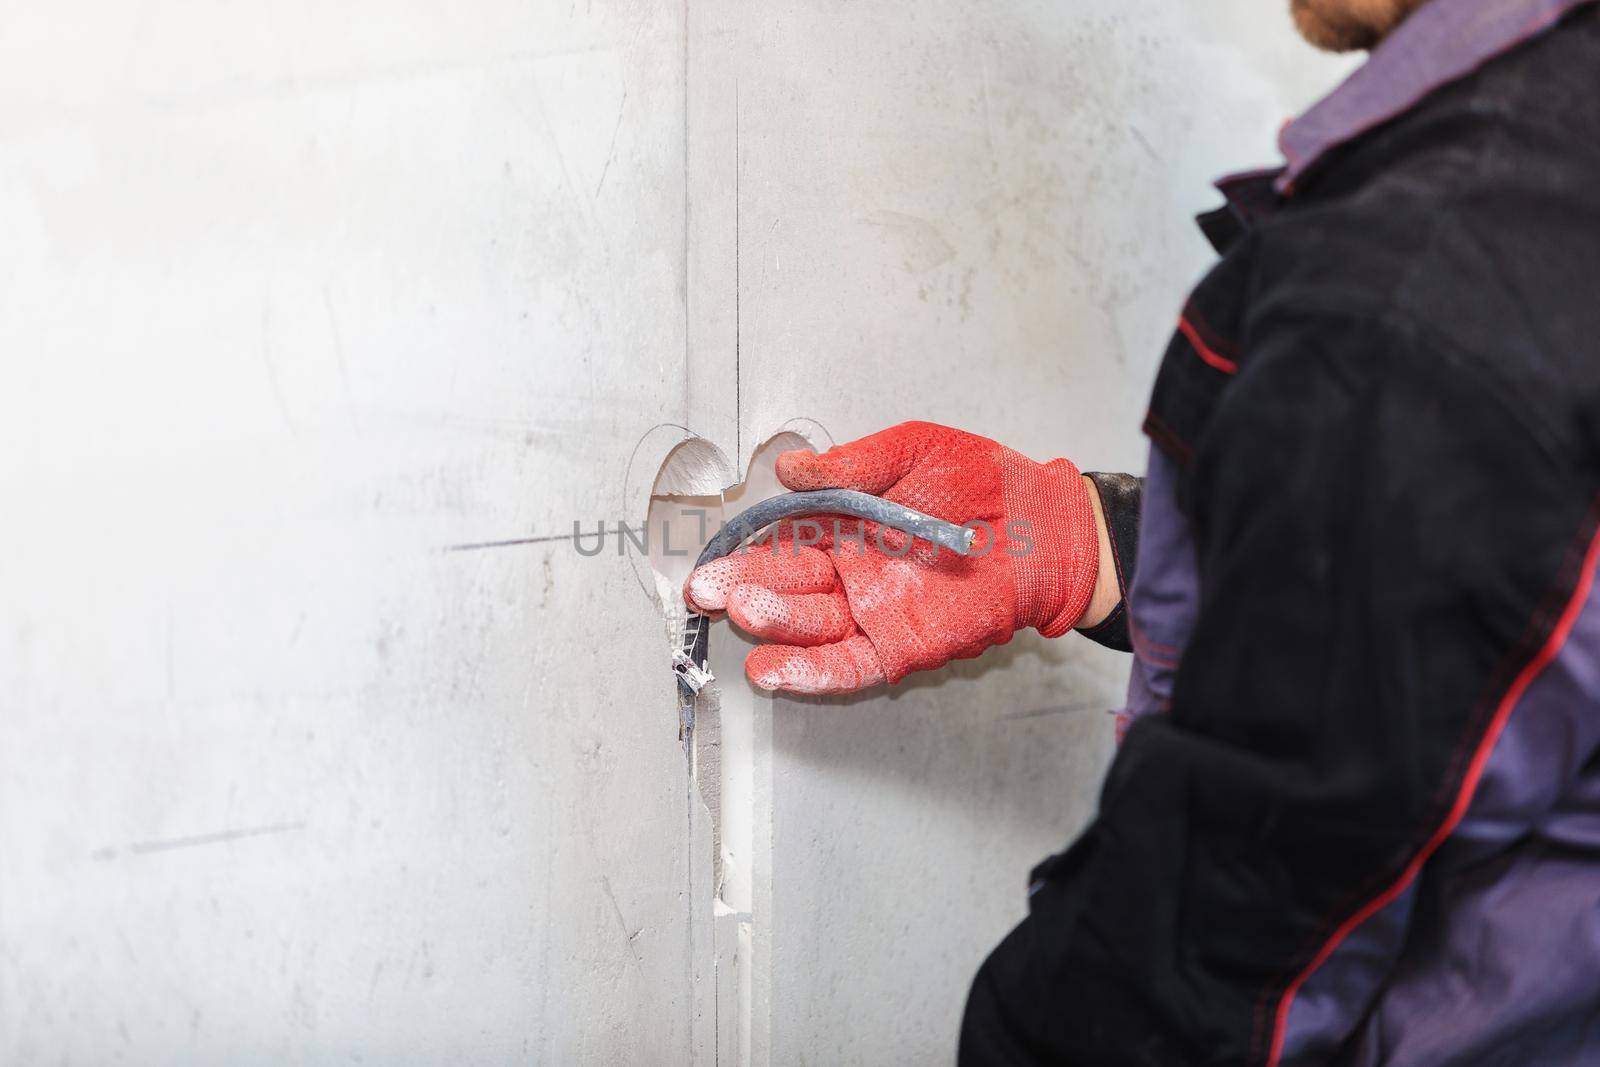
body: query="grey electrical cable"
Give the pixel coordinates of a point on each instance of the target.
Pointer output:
(691, 662)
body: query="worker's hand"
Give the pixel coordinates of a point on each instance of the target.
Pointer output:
(850, 604)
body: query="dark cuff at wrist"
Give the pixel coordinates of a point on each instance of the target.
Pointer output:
(1120, 498)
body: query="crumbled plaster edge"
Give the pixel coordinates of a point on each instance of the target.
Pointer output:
(671, 460)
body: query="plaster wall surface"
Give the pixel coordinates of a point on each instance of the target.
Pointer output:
(294, 297)
(321, 324)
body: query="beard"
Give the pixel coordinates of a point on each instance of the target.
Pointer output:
(1348, 25)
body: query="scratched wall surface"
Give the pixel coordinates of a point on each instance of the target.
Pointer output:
(323, 321)
(294, 296)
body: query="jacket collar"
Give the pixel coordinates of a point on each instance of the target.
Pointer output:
(1443, 41)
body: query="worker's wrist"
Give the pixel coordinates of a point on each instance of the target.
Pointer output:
(1057, 569)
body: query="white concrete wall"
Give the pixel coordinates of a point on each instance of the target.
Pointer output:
(296, 299)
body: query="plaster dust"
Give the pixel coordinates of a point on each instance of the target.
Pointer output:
(328, 324)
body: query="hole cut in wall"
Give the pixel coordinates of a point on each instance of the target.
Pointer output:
(685, 509)
(695, 490)
(687, 506)
(729, 745)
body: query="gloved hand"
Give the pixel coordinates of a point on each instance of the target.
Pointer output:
(852, 605)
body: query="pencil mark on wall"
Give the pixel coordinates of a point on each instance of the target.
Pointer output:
(612, 151)
(555, 143)
(738, 382)
(1144, 142)
(338, 356)
(472, 546)
(632, 937)
(140, 848)
(1056, 709)
(688, 317)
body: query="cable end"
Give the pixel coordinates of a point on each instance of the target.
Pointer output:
(690, 673)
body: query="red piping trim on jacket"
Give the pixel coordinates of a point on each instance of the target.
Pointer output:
(1469, 784)
(1226, 366)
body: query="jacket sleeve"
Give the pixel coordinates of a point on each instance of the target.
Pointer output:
(1392, 546)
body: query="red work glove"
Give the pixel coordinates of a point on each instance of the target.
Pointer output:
(854, 606)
